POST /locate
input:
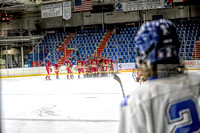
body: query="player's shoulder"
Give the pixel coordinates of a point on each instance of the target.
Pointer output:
(193, 79)
(137, 96)
(164, 86)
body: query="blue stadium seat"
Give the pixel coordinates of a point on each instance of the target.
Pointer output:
(108, 50)
(132, 49)
(180, 54)
(190, 54)
(130, 53)
(181, 49)
(120, 49)
(124, 49)
(126, 52)
(131, 60)
(115, 49)
(114, 53)
(121, 53)
(115, 57)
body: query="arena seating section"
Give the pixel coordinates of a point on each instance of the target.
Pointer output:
(189, 33)
(86, 42)
(47, 48)
(120, 47)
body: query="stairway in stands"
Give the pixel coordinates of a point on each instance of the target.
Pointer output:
(68, 50)
(196, 54)
(103, 43)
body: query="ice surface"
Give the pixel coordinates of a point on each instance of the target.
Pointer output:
(35, 105)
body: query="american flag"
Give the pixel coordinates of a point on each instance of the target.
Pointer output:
(82, 5)
(177, 1)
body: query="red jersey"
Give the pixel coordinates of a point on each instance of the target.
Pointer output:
(107, 62)
(56, 66)
(80, 64)
(48, 64)
(88, 62)
(110, 62)
(94, 63)
(104, 62)
(67, 64)
(100, 61)
(84, 63)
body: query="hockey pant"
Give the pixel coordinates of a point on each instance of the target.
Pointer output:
(69, 72)
(94, 70)
(57, 73)
(48, 73)
(104, 69)
(80, 70)
(111, 68)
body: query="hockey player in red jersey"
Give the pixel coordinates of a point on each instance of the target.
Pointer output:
(110, 65)
(104, 66)
(80, 65)
(48, 69)
(89, 68)
(93, 64)
(68, 68)
(98, 65)
(86, 66)
(56, 69)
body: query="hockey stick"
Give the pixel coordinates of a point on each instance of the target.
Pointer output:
(119, 80)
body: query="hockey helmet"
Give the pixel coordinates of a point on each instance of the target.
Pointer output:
(157, 43)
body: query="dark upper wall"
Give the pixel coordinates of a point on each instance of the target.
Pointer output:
(86, 18)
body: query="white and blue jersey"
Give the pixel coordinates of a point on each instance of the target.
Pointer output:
(167, 105)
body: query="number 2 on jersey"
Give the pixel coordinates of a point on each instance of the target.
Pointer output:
(175, 111)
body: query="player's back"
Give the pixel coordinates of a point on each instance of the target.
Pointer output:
(164, 106)
(48, 64)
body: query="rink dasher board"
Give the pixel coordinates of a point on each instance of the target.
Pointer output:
(41, 71)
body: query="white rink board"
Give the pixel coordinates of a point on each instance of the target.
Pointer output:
(191, 65)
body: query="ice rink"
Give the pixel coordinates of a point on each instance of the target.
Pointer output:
(36, 105)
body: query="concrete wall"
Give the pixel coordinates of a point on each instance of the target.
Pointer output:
(195, 11)
(93, 18)
(87, 18)
(171, 13)
(76, 20)
(119, 17)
